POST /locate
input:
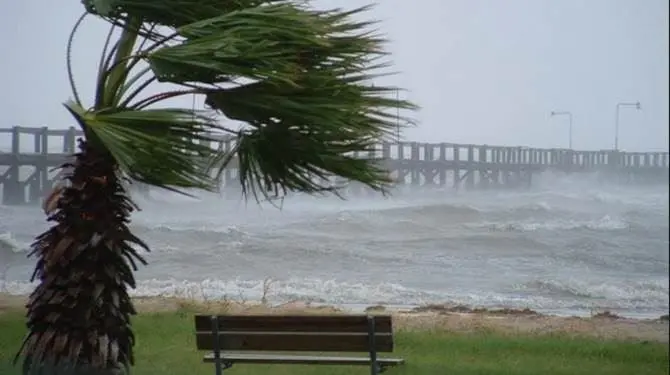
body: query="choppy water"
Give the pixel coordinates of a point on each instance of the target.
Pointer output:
(567, 246)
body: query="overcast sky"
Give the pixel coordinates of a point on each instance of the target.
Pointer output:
(483, 71)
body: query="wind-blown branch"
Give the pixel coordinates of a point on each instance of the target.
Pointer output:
(118, 71)
(68, 55)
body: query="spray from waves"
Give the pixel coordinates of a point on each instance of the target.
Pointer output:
(529, 211)
(404, 224)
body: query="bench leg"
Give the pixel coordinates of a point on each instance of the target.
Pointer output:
(218, 368)
(374, 366)
(221, 365)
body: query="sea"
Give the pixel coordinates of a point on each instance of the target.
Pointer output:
(570, 245)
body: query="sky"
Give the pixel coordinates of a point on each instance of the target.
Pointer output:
(482, 71)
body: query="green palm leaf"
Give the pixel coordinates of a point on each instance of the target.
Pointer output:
(172, 13)
(296, 76)
(161, 147)
(276, 42)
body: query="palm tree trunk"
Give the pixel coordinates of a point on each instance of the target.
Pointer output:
(79, 314)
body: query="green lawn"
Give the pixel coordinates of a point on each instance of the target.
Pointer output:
(166, 346)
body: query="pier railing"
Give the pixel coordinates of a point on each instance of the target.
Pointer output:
(410, 163)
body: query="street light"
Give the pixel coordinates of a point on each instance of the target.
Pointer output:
(397, 115)
(616, 123)
(569, 114)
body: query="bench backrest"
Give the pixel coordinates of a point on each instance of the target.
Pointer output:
(343, 333)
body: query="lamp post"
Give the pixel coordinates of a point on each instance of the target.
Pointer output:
(569, 114)
(397, 115)
(616, 121)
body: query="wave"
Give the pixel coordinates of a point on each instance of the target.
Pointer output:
(554, 296)
(604, 223)
(413, 219)
(517, 206)
(10, 251)
(231, 230)
(628, 294)
(432, 209)
(480, 209)
(9, 244)
(315, 290)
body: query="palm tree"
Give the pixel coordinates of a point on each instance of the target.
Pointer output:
(295, 76)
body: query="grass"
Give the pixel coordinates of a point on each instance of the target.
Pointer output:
(166, 345)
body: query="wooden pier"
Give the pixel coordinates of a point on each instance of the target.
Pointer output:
(25, 165)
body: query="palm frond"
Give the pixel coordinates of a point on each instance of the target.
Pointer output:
(168, 13)
(274, 160)
(298, 77)
(164, 147)
(270, 42)
(300, 136)
(174, 13)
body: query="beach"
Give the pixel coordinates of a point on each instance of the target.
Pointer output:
(456, 319)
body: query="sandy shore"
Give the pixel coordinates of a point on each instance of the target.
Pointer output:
(445, 318)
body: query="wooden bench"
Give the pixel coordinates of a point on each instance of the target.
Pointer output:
(248, 339)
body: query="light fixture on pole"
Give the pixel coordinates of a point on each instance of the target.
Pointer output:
(616, 120)
(569, 114)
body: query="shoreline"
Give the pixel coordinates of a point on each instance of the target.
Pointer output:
(357, 307)
(454, 318)
(453, 307)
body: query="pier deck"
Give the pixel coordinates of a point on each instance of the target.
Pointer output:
(25, 174)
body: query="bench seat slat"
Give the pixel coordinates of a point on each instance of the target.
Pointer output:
(294, 323)
(295, 341)
(299, 359)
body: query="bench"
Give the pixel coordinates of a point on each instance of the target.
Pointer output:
(253, 339)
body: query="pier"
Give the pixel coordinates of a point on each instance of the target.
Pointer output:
(26, 176)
